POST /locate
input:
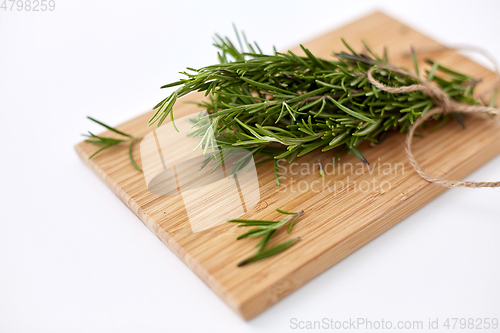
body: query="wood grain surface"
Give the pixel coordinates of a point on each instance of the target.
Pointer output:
(342, 212)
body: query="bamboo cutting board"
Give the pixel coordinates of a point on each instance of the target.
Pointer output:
(338, 219)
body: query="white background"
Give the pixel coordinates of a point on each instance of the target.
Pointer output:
(73, 258)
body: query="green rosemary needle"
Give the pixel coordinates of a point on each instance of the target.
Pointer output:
(321, 171)
(267, 229)
(270, 252)
(107, 142)
(276, 172)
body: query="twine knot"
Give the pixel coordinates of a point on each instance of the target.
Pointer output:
(445, 105)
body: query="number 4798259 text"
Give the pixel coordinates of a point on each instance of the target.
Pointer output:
(27, 5)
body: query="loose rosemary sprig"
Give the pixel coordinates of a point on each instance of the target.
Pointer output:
(107, 142)
(285, 106)
(266, 229)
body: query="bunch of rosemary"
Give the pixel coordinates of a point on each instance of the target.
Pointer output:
(284, 105)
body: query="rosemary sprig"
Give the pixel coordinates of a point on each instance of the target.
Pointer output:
(284, 106)
(267, 229)
(108, 142)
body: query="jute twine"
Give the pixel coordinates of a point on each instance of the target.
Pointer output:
(443, 105)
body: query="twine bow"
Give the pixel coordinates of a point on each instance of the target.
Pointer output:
(444, 105)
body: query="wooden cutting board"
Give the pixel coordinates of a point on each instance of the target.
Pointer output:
(338, 219)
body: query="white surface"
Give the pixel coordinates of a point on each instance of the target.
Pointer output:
(73, 258)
